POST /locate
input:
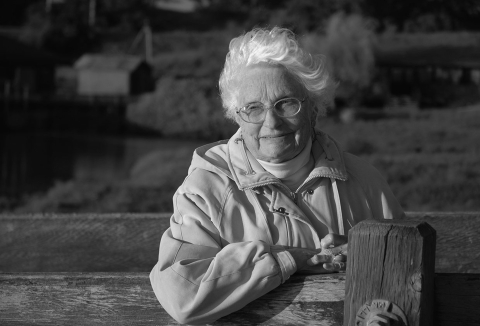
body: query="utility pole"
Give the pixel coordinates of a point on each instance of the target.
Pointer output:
(48, 5)
(91, 13)
(148, 42)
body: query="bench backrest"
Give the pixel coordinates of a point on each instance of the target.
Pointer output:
(129, 242)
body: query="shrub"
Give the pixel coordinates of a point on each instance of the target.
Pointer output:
(102, 197)
(183, 108)
(349, 48)
(348, 45)
(433, 182)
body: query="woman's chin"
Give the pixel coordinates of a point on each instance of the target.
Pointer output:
(278, 156)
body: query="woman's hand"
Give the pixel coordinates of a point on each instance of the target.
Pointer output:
(331, 257)
(335, 246)
(302, 256)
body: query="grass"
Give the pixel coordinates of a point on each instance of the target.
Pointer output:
(430, 159)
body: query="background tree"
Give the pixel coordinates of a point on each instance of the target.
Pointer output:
(12, 13)
(414, 15)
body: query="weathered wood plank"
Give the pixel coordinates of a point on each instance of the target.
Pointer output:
(129, 242)
(127, 298)
(80, 243)
(458, 240)
(390, 269)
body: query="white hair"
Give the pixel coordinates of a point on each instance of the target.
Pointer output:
(277, 46)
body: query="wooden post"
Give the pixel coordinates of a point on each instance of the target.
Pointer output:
(390, 269)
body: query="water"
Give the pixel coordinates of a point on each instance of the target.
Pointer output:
(32, 163)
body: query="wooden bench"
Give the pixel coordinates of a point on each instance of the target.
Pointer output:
(93, 269)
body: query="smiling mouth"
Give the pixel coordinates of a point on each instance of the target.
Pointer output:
(277, 136)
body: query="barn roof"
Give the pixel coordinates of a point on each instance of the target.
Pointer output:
(108, 62)
(15, 53)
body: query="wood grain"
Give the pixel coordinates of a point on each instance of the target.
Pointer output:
(458, 240)
(129, 242)
(127, 299)
(393, 261)
(80, 243)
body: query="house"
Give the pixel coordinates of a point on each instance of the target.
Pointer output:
(25, 68)
(113, 75)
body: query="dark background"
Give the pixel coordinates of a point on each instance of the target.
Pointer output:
(408, 95)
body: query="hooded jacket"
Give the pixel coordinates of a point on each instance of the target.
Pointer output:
(233, 221)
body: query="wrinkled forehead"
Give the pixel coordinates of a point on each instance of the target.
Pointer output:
(266, 83)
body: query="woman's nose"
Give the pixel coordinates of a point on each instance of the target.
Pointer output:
(272, 120)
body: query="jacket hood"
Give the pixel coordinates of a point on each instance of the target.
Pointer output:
(232, 158)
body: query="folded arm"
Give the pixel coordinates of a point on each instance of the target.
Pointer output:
(197, 280)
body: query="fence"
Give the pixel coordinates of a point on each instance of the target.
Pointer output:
(93, 269)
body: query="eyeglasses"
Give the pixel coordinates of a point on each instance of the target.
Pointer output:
(256, 112)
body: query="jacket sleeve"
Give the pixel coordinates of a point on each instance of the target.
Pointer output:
(196, 279)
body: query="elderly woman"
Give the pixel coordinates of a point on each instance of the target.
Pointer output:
(260, 207)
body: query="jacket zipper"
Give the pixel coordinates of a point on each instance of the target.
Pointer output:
(293, 195)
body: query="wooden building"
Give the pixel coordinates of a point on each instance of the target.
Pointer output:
(434, 76)
(108, 75)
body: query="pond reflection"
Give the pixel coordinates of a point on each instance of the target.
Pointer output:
(31, 163)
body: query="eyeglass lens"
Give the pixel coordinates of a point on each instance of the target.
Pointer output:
(284, 108)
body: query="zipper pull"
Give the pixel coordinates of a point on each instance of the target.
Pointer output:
(294, 195)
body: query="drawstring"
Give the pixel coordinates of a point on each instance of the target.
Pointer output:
(245, 158)
(336, 196)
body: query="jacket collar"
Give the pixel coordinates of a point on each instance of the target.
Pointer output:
(248, 173)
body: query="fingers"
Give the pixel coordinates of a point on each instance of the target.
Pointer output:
(333, 240)
(335, 266)
(333, 259)
(338, 263)
(317, 259)
(340, 250)
(302, 256)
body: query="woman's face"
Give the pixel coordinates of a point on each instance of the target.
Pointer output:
(276, 139)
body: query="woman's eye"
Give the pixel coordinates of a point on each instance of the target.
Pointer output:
(253, 107)
(287, 104)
